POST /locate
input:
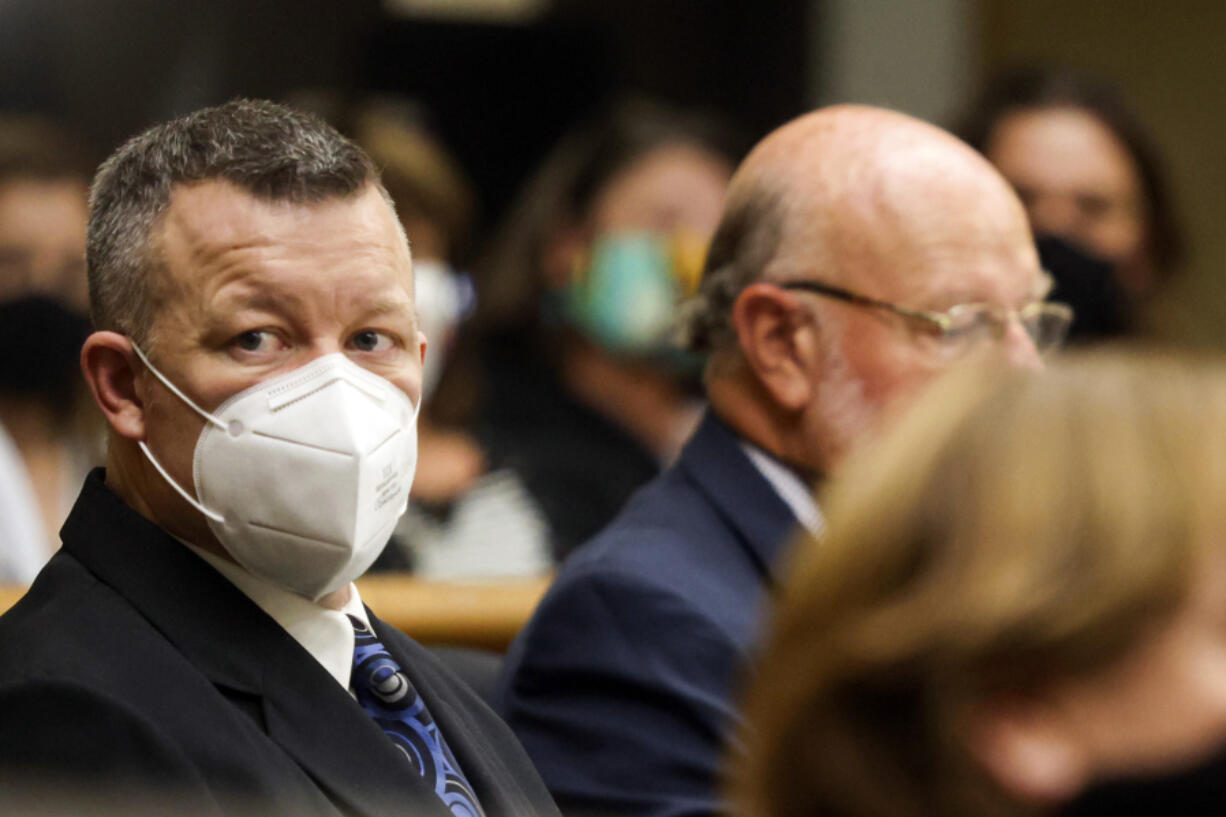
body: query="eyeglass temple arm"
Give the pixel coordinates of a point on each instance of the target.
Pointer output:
(931, 318)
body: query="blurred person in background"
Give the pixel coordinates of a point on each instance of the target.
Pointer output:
(585, 393)
(22, 548)
(1094, 189)
(1018, 608)
(44, 407)
(467, 518)
(861, 252)
(44, 181)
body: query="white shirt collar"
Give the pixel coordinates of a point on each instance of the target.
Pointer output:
(326, 634)
(791, 489)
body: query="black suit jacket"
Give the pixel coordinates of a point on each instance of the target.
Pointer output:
(131, 662)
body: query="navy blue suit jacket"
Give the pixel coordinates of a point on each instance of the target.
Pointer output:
(622, 687)
(132, 667)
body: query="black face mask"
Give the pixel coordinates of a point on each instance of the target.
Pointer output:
(1190, 792)
(40, 346)
(1088, 284)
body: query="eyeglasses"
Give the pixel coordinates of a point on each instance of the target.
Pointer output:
(964, 326)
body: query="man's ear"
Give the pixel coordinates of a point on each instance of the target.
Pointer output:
(109, 366)
(1029, 749)
(778, 345)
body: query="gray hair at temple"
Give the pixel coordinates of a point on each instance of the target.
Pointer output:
(744, 246)
(272, 152)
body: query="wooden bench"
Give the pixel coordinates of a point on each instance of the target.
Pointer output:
(485, 614)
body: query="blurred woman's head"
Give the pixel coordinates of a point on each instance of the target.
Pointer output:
(436, 205)
(614, 224)
(44, 300)
(434, 198)
(1083, 166)
(1022, 591)
(44, 182)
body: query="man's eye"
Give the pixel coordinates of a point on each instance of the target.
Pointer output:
(252, 340)
(369, 340)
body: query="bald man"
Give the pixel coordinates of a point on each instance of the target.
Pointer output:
(861, 252)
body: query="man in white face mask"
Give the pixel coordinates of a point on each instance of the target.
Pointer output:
(259, 363)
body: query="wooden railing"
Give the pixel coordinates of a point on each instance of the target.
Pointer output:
(9, 596)
(474, 614)
(484, 614)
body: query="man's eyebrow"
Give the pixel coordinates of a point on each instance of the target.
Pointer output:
(257, 299)
(385, 305)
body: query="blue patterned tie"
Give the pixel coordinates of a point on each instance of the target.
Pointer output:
(388, 696)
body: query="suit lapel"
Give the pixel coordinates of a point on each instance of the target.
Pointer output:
(714, 460)
(339, 745)
(239, 647)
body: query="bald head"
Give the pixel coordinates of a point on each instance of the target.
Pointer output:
(850, 194)
(875, 203)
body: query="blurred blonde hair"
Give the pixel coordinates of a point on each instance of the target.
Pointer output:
(1011, 530)
(419, 173)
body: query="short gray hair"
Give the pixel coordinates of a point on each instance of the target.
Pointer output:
(271, 151)
(744, 245)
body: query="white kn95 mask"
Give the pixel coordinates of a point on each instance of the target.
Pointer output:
(303, 476)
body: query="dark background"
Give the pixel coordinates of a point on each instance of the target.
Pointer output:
(499, 94)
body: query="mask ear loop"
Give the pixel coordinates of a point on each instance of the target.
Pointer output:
(421, 399)
(216, 517)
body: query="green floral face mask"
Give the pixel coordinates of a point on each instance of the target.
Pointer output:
(624, 294)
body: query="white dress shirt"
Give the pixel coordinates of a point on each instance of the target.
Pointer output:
(794, 492)
(326, 634)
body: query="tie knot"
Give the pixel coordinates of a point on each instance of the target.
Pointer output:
(358, 625)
